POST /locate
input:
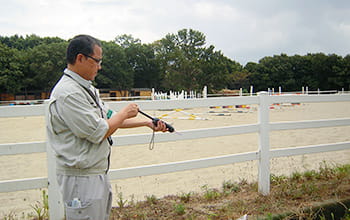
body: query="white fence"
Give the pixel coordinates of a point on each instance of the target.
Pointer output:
(263, 127)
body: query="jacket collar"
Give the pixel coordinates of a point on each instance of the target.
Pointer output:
(78, 78)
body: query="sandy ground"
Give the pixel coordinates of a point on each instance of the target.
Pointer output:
(27, 129)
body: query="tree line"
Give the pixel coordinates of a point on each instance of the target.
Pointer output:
(179, 61)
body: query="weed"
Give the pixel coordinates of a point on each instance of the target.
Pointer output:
(341, 172)
(210, 194)
(185, 197)
(286, 196)
(151, 199)
(254, 186)
(243, 182)
(263, 207)
(303, 213)
(10, 216)
(342, 169)
(41, 210)
(296, 176)
(309, 188)
(45, 198)
(309, 175)
(326, 171)
(229, 187)
(277, 179)
(120, 201)
(179, 209)
(132, 200)
(269, 216)
(240, 206)
(291, 196)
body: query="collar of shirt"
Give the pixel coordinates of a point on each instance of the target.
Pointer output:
(86, 83)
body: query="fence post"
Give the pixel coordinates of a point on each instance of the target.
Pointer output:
(205, 92)
(56, 209)
(264, 144)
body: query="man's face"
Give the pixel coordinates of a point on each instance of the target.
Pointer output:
(92, 63)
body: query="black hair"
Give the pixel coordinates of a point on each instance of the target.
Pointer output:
(83, 44)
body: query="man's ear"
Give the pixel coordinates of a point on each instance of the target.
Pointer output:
(79, 58)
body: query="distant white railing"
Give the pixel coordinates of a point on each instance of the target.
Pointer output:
(263, 127)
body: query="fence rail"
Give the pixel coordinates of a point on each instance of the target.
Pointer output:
(263, 127)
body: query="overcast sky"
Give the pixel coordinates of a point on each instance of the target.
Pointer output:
(244, 30)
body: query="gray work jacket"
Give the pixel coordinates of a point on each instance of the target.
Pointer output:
(76, 128)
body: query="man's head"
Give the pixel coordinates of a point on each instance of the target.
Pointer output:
(84, 56)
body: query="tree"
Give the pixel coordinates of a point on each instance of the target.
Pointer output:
(188, 65)
(336, 78)
(45, 64)
(145, 66)
(219, 71)
(10, 70)
(116, 73)
(126, 40)
(29, 41)
(258, 76)
(346, 73)
(301, 67)
(319, 70)
(179, 55)
(239, 79)
(179, 61)
(142, 60)
(279, 70)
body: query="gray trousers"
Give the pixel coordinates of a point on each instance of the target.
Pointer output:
(94, 193)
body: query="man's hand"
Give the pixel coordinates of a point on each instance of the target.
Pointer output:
(118, 120)
(160, 126)
(130, 110)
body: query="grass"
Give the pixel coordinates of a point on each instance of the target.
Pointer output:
(41, 210)
(293, 196)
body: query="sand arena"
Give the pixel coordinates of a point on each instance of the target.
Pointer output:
(28, 129)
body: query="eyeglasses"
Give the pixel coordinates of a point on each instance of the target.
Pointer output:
(98, 61)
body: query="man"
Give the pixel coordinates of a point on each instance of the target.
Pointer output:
(79, 132)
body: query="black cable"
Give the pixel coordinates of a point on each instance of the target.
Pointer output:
(155, 123)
